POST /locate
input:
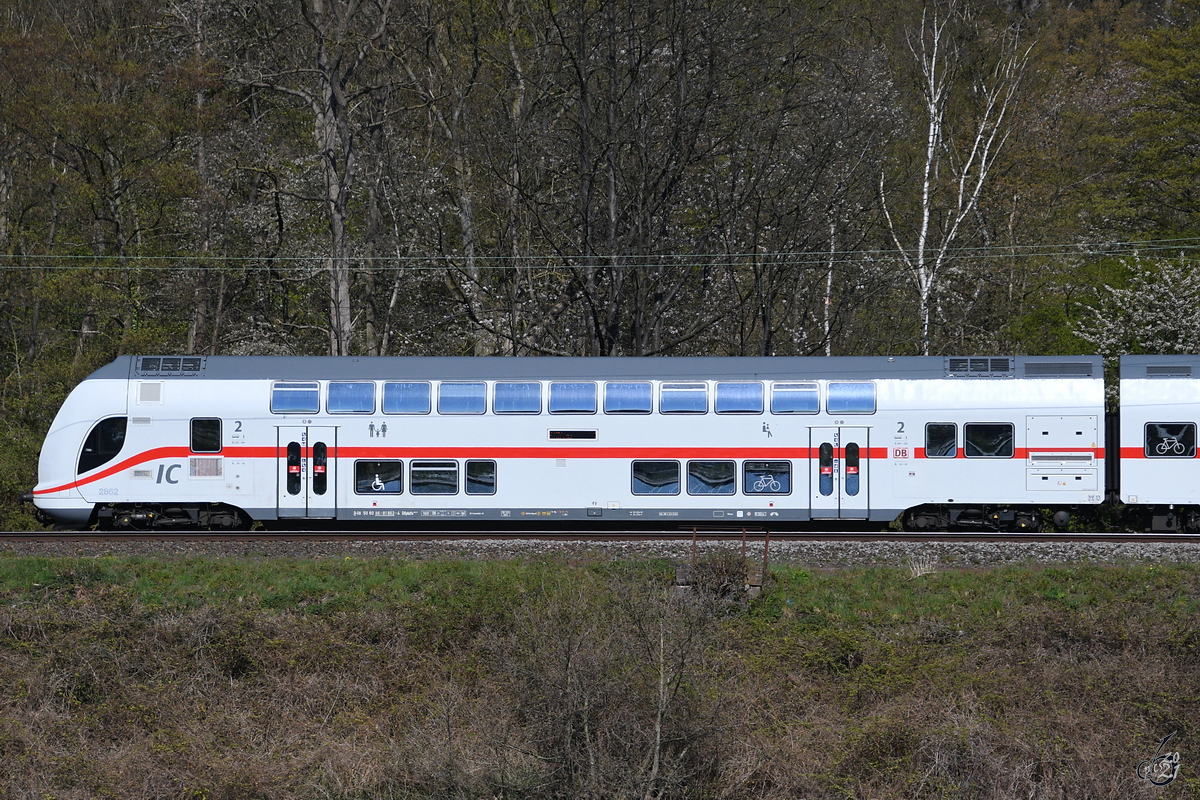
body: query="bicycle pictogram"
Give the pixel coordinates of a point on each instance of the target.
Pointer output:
(767, 483)
(1170, 444)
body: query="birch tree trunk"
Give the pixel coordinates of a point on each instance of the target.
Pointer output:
(953, 178)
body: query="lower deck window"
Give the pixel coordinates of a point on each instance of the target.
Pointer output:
(481, 477)
(433, 477)
(1170, 440)
(378, 477)
(656, 477)
(712, 477)
(767, 477)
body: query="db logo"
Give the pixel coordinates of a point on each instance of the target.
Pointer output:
(899, 452)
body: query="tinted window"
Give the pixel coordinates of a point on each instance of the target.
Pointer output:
(572, 398)
(517, 398)
(351, 398)
(1170, 440)
(462, 398)
(103, 443)
(481, 477)
(683, 398)
(941, 440)
(851, 398)
(627, 398)
(767, 477)
(739, 398)
(988, 440)
(406, 398)
(295, 397)
(433, 477)
(378, 477)
(795, 398)
(656, 477)
(206, 436)
(712, 477)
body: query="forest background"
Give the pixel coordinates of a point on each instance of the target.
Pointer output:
(588, 177)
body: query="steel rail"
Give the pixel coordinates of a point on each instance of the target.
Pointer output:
(726, 535)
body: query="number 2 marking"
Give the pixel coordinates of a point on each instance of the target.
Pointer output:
(900, 428)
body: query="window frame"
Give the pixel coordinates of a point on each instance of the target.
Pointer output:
(733, 482)
(372, 493)
(467, 476)
(761, 397)
(954, 449)
(282, 389)
(649, 397)
(839, 402)
(329, 399)
(633, 469)
(747, 469)
(565, 395)
(192, 434)
(429, 465)
(669, 389)
(1186, 454)
(797, 388)
(496, 392)
(383, 401)
(478, 402)
(1012, 445)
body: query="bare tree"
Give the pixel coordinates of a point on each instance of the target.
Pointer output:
(955, 167)
(334, 77)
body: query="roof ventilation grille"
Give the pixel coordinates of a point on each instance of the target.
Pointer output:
(1168, 371)
(978, 367)
(1058, 369)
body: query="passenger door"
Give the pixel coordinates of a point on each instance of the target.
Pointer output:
(307, 472)
(839, 471)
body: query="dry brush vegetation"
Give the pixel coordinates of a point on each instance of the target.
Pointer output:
(260, 678)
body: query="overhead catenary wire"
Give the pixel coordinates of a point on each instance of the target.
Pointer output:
(814, 258)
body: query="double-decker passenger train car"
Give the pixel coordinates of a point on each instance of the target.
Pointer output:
(1160, 407)
(222, 441)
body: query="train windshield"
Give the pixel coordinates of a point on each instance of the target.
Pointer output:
(102, 444)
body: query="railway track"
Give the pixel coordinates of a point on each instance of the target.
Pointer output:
(443, 535)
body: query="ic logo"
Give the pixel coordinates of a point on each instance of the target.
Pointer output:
(168, 472)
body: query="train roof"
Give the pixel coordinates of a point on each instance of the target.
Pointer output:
(1160, 367)
(620, 368)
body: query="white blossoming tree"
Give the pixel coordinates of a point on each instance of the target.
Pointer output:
(1157, 311)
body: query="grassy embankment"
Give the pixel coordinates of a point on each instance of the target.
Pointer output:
(258, 677)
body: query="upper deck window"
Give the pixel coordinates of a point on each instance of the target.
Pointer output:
(851, 398)
(406, 398)
(795, 398)
(295, 397)
(517, 398)
(683, 398)
(347, 397)
(572, 398)
(739, 398)
(628, 398)
(462, 398)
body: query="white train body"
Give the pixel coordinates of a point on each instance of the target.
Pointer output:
(219, 441)
(1160, 409)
